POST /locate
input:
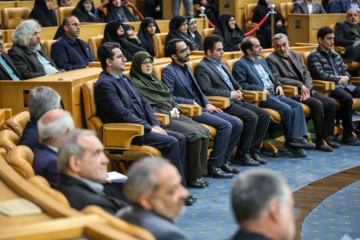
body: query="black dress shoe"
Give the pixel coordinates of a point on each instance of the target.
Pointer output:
(188, 201)
(206, 183)
(245, 160)
(195, 183)
(226, 168)
(301, 142)
(332, 143)
(193, 198)
(216, 172)
(257, 157)
(350, 140)
(323, 146)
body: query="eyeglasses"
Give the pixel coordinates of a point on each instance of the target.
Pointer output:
(232, 20)
(147, 62)
(185, 50)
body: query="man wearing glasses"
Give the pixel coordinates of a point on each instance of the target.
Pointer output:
(184, 89)
(8, 70)
(69, 51)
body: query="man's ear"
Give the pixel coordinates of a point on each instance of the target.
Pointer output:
(274, 210)
(145, 201)
(320, 40)
(66, 28)
(208, 52)
(75, 164)
(108, 62)
(173, 56)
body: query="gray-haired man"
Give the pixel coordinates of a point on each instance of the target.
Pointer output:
(263, 206)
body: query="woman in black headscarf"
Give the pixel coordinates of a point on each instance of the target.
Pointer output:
(130, 35)
(178, 29)
(114, 32)
(264, 32)
(148, 28)
(192, 31)
(227, 28)
(43, 13)
(85, 12)
(115, 10)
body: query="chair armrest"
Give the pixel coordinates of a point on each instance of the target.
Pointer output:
(323, 87)
(255, 97)
(120, 135)
(219, 102)
(163, 118)
(355, 81)
(340, 50)
(290, 90)
(187, 110)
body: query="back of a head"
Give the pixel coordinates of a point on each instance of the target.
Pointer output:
(69, 145)
(24, 31)
(54, 124)
(254, 190)
(141, 178)
(42, 99)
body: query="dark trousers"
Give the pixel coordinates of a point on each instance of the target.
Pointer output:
(228, 131)
(255, 125)
(292, 115)
(345, 97)
(172, 146)
(196, 158)
(323, 113)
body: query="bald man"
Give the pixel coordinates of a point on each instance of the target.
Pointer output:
(53, 125)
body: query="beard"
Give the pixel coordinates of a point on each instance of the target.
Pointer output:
(36, 47)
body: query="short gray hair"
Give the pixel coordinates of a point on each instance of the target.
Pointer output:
(279, 36)
(24, 31)
(254, 190)
(42, 99)
(141, 178)
(57, 128)
(69, 146)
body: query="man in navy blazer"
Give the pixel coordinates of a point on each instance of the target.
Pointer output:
(118, 101)
(343, 6)
(253, 73)
(41, 99)
(69, 52)
(52, 126)
(184, 89)
(8, 71)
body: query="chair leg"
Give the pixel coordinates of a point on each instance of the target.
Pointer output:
(269, 146)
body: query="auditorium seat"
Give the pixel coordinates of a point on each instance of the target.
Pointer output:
(8, 139)
(18, 122)
(205, 32)
(63, 12)
(285, 8)
(116, 137)
(249, 13)
(94, 43)
(12, 17)
(21, 159)
(47, 45)
(5, 114)
(159, 40)
(133, 230)
(42, 184)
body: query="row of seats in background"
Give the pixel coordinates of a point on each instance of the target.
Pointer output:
(56, 219)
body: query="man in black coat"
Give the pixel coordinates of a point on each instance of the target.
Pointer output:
(8, 71)
(82, 166)
(346, 36)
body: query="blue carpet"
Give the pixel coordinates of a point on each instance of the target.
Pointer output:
(337, 215)
(211, 217)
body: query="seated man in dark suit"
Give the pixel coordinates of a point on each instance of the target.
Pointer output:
(52, 126)
(215, 79)
(252, 73)
(263, 206)
(8, 71)
(327, 65)
(41, 99)
(156, 196)
(28, 54)
(82, 166)
(308, 7)
(69, 52)
(118, 100)
(347, 34)
(343, 6)
(288, 68)
(184, 89)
